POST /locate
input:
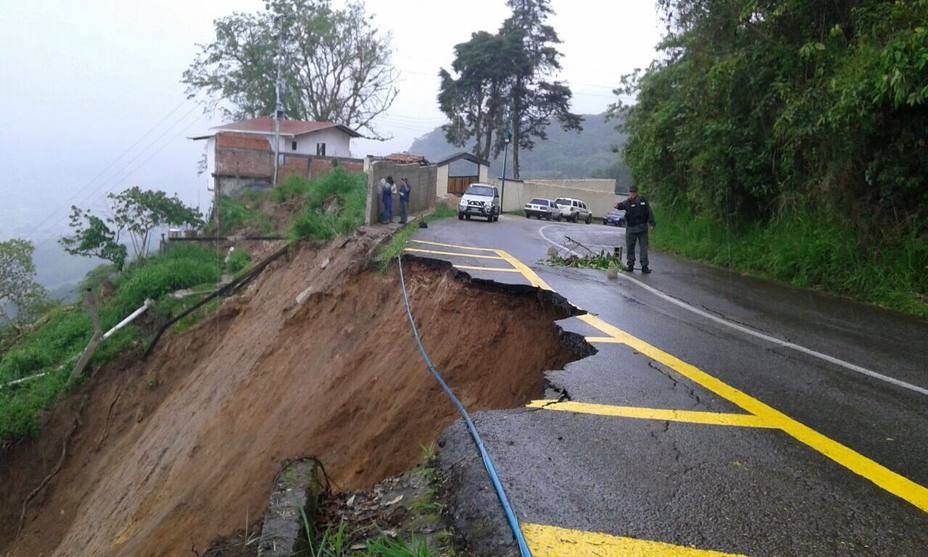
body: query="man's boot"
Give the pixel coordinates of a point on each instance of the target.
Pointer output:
(646, 270)
(630, 267)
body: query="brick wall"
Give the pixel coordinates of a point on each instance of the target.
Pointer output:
(242, 141)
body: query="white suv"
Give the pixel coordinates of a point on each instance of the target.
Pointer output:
(481, 200)
(574, 210)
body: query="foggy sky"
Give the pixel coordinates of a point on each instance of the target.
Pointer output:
(92, 101)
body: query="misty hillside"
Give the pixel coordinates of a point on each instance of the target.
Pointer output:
(586, 154)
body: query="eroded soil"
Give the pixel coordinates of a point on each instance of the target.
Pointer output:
(169, 454)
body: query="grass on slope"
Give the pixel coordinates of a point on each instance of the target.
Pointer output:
(56, 340)
(391, 249)
(807, 250)
(334, 204)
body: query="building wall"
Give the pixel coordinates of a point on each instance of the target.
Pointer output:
(598, 194)
(422, 181)
(484, 174)
(337, 143)
(441, 181)
(245, 161)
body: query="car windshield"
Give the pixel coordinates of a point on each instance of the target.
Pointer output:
(476, 189)
(563, 201)
(543, 202)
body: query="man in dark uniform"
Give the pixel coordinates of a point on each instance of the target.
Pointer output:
(638, 217)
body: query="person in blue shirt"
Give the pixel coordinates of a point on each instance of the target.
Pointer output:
(404, 191)
(386, 187)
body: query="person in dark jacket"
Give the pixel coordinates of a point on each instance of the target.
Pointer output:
(387, 188)
(638, 217)
(404, 199)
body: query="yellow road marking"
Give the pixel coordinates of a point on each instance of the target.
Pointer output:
(686, 416)
(498, 269)
(892, 482)
(417, 250)
(451, 245)
(551, 541)
(529, 274)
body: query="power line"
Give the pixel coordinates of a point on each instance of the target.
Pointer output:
(126, 171)
(106, 181)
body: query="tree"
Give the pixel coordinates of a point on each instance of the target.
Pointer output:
(474, 102)
(134, 211)
(504, 85)
(19, 291)
(758, 109)
(335, 64)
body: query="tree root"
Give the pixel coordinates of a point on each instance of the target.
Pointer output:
(53, 473)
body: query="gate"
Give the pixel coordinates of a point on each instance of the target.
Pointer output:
(458, 184)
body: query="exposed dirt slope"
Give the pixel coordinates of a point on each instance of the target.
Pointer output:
(163, 470)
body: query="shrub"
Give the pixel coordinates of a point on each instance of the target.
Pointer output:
(334, 205)
(238, 260)
(292, 187)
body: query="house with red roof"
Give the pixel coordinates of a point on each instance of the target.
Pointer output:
(240, 155)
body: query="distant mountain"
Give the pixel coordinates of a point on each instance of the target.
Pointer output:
(590, 153)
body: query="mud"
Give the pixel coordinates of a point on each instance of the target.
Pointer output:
(174, 452)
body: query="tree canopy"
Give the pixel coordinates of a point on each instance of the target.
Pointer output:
(335, 64)
(758, 107)
(19, 291)
(503, 86)
(135, 212)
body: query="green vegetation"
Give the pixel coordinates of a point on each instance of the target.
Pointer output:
(336, 542)
(788, 138)
(19, 291)
(339, 46)
(135, 213)
(56, 340)
(334, 204)
(388, 252)
(243, 214)
(600, 260)
(589, 153)
(504, 92)
(238, 260)
(805, 249)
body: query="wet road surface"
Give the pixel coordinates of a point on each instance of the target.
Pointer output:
(722, 414)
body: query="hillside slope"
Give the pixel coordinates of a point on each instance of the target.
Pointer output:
(314, 358)
(585, 154)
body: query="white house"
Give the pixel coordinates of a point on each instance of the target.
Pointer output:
(241, 153)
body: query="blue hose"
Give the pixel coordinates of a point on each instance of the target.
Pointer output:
(471, 428)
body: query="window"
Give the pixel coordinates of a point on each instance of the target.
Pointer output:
(320, 149)
(562, 201)
(538, 201)
(478, 189)
(293, 145)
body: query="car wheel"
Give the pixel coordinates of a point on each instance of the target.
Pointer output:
(589, 219)
(559, 218)
(574, 219)
(460, 216)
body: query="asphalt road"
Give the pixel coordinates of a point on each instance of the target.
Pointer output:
(721, 413)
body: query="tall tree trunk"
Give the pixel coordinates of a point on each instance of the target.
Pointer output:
(516, 131)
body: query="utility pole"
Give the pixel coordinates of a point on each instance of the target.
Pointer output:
(502, 193)
(278, 106)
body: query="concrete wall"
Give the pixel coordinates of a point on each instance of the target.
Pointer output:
(422, 180)
(598, 194)
(441, 181)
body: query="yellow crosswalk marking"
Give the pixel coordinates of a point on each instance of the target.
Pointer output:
(436, 252)
(439, 244)
(476, 268)
(551, 541)
(892, 482)
(686, 416)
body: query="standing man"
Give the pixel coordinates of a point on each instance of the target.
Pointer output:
(404, 199)
(638, 217)
(386, 192)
